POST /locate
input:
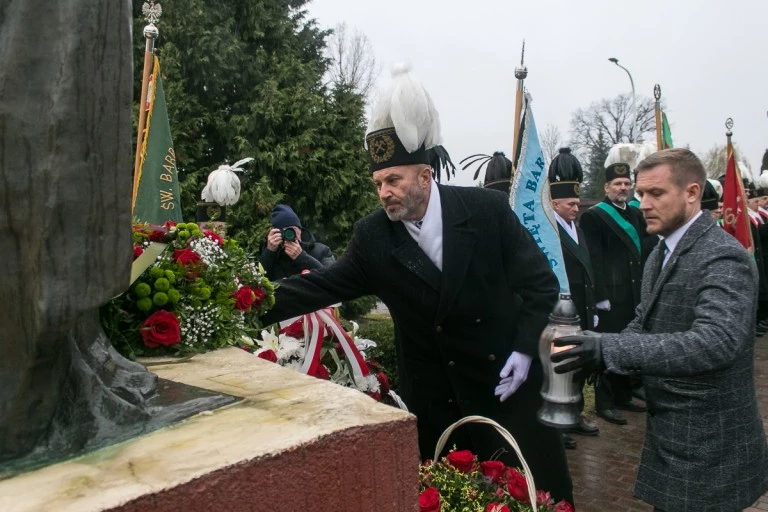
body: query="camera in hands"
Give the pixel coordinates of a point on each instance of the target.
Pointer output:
(288, 234)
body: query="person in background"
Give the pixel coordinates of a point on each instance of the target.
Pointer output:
(692, 341)
(565, 176)
(288, 249)
(614, 232)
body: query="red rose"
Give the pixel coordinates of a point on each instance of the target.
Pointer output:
(543, 498)
(563, 506)
(169, 224)
(463, 460)
(161, 329)
(157, 236)
(496, 507)
(517, 486)
(429, 500)
(493, 469)
(269, 355)
(376, 396)
(213, 236)
(258, 294)
(321, 372)
(295, 330)
(383, 383)
(244, 298)
(186, 257)
(137, 251)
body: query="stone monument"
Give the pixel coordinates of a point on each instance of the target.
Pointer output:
(65, 226)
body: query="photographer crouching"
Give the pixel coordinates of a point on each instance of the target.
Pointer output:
(288, 250)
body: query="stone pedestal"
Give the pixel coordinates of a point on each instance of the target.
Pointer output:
(293, 443)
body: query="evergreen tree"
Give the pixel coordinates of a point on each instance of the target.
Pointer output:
(594, 177)
(245, 78)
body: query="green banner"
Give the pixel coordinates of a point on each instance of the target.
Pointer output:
(158, 196)
(666, 133)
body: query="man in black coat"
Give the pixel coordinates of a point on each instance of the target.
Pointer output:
(288, 249)
(565, 175)
(469, 292)
(615, 233)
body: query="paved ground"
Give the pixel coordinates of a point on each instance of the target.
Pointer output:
(601, 487)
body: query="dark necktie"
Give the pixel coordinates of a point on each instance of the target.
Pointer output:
(662, 256)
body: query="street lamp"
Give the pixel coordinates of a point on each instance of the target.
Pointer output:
(632, 82)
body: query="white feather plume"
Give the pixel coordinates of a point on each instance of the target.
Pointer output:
(629, 153)
(718, 187)
(223, 185)
(407, 107)
(762, 180)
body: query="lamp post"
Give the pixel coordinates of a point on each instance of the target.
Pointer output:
(631, 82)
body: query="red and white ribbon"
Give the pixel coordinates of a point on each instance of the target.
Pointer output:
(315, 327)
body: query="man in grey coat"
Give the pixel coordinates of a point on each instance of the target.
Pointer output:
(692, 340)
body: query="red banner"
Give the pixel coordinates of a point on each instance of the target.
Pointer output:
(735, 216)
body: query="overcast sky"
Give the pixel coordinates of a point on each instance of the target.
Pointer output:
(710, 58)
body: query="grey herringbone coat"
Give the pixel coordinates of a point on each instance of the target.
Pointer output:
(692, 340)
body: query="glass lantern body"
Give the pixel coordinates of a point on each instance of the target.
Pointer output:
(562, 396)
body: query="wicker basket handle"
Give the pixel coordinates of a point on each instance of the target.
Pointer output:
(507, 437)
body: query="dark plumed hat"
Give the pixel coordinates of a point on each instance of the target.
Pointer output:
(498, 170)
(710, 197)
(405, 128)
(565, 175)
(618, 170)
(749, 188)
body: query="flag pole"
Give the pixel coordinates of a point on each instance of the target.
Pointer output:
(657, 107)
(521, 72)
(151, 13)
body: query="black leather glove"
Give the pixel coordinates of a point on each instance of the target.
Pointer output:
(586, 352)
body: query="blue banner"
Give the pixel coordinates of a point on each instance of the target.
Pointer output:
(530, 200)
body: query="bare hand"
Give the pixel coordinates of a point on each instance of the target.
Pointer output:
(292, 249)
(274, 239)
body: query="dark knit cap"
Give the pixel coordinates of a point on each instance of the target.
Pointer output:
(283, 216)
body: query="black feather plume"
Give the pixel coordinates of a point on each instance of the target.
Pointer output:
(565, 167)
(440, 160)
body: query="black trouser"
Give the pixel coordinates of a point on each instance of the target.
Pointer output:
(612, 389)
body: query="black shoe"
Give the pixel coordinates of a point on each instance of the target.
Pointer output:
(631, 406)
(612, 416)
(639, 393)
(568, 441)
(584, 429)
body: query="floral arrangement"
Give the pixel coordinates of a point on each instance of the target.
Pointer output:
(289, 346)
(458, 482)
(200, 294)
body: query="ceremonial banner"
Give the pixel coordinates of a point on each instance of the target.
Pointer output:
(156, 194)
(529, 196)
(666, 133)
(735, 217)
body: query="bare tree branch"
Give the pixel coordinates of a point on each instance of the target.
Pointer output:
(353, 64)
(551, 141)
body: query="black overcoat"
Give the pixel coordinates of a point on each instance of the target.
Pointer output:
(617, 263)
(581, 279)
(454, 329)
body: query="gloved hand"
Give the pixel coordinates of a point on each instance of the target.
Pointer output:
(513, 375)
(603, 305)
(587, 351)
(596, 319)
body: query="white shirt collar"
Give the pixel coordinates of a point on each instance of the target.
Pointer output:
(430, 235)
(619, 207)
(673, 239)
(569, 228)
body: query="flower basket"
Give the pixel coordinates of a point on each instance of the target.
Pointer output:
(458, 482)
